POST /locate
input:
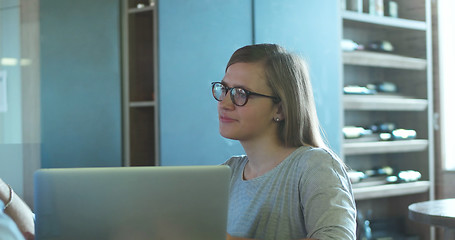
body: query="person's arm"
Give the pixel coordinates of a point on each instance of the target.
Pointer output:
(18, 210)
(328, 202)
(8, 228)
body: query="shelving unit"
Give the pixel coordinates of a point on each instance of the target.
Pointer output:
(385, 21)
(409, 67)
(383, 103)
(375, 59)
(391, 190)
(378, 147)
(140, 85)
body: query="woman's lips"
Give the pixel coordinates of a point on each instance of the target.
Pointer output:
(225, 119)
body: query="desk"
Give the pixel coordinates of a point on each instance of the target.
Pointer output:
(437, 212)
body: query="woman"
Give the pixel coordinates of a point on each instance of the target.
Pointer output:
(289, 185)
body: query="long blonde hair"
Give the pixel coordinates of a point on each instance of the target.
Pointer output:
(288, 77)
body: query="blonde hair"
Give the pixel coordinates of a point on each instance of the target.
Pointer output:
(288, 77)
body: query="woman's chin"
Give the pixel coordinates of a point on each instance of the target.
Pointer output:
(228, 135)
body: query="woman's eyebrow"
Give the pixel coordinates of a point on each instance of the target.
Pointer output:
(237, 86)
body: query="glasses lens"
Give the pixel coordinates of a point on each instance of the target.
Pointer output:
(239, 96)
(218, 91)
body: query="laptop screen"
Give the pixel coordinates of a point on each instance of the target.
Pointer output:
(188, 202)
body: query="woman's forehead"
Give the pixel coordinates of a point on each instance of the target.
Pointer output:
(242, 74)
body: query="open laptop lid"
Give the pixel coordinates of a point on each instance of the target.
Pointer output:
(187, 202)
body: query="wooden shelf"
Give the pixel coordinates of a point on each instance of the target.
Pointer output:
(143, 104)
(384, 21)
(385, 60)
(357, 147)
(383, 103)
(140, 87)
(408, 67)
(390, 190)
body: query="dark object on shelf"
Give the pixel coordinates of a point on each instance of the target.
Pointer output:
(385, 136)
(391, 9)
(354, 89)
(352, 5)
(382, 175)
(398, 134)
(401, 134)
(383, 127)
(380, 171)
(351, 132)
(376, 7)
(380, 46)
(386, 87)
(388, 131)
(355, 176)
(404, 176)
(409, 176)
(349, 45)
(370, 177)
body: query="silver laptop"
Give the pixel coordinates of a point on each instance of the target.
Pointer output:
(188, 202)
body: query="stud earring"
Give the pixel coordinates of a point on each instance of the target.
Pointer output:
(277, 119)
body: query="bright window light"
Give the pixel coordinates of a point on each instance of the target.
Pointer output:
(8, 61)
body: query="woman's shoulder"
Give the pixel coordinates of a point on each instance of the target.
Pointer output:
(312, 157)
(316, 153)
(321, 166)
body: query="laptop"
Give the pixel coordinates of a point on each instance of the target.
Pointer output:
(186, 202)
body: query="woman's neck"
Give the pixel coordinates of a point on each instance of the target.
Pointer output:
(263, 157)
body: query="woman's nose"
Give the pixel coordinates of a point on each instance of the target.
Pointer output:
(226, 103)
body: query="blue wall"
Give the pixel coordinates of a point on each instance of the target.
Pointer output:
(80, 83)
(311, 29)
(80, 57)
(196, 39)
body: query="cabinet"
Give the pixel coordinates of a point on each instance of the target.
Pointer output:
(409, 68)
(140, 85)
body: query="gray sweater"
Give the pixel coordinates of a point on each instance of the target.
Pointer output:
(308, 195)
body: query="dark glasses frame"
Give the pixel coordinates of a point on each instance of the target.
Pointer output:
(231, 93)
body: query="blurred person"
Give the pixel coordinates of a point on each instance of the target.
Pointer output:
(16, 218)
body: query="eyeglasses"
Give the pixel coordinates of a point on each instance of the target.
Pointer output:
(239, 96)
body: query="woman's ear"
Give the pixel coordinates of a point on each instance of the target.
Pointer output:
(279, 114)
